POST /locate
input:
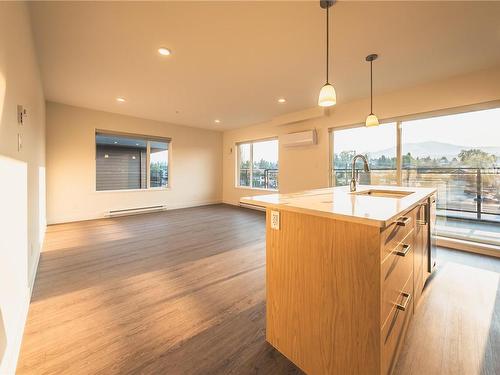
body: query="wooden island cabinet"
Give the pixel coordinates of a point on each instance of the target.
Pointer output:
(343, 279)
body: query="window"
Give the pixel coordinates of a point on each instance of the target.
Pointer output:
(457, 154)
(377, 143)
(158, 164)
(130, 162)
(258, 164)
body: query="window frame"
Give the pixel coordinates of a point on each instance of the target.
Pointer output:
(147, 139)
(399, 120)
(237, 164)
(331, 142)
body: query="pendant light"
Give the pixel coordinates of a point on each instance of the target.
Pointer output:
(327, 95)
(371, 120)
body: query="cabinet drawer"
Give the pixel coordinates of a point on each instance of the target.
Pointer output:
(395, 270)
(394, 233)
(394, 330)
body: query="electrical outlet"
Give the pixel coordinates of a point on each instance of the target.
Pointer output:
(275, 220)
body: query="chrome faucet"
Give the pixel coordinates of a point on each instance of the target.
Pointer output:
(354, 175)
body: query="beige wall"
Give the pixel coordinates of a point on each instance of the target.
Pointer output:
(195, 164)
(22, 177)
(308, 167)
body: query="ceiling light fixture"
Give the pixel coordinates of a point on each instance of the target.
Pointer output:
(281, 100)
(164, 51)
(371, 120)
(217, 121)
(121, 99)
(327, 95)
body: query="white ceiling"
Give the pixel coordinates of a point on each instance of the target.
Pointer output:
(233, 60)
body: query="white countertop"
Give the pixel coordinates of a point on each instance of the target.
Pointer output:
(340, 203)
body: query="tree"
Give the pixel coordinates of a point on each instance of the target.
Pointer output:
(408, 160)
(344, 158)
(476, 158)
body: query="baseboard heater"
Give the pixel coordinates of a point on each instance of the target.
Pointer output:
(137, 210)
(252, 207)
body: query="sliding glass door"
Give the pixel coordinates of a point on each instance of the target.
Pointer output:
(458, 154)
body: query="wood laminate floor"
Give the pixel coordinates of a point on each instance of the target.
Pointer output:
(456, 328)
(183, 292)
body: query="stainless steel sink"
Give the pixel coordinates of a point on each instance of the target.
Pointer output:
(384, 193)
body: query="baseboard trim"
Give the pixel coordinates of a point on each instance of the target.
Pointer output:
(34, 270)
(472, 247)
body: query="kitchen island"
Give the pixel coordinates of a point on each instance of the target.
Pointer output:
(344, 274)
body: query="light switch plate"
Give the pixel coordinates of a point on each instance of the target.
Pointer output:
(21, 114)
(275, 220)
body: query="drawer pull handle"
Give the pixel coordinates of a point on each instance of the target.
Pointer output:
(404, 305)
(424, 221)
(404, 251)
(402, 221)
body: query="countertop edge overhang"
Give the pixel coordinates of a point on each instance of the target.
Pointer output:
(339, 203)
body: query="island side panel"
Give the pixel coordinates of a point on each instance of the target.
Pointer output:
(323, 293)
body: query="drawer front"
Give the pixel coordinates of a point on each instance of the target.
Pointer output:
(394, 330)
(394, 233)
(395, 270)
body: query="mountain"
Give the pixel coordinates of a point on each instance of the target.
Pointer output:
(432, 149)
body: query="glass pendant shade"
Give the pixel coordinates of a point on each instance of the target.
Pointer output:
(371, 120)
(327, 96)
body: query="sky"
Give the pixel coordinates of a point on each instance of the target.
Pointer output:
(267, 150)
(481, 128)
(476, 129)
(364, 139)
(157, 155)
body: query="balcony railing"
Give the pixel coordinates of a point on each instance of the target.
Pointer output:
(463, 193)
(261, 178)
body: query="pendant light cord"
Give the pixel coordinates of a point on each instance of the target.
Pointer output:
(371, 87)
(327, 42)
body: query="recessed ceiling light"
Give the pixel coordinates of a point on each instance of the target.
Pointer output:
(115, 142)
(121, 99)
(217, 121)
(164, 51)
(281, 100)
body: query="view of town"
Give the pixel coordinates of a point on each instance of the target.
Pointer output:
(463, 181)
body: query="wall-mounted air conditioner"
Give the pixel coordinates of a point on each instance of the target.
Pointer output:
(308, 137)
